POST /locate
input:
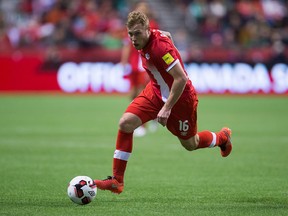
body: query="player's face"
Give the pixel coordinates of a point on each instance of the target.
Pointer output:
(139, 36)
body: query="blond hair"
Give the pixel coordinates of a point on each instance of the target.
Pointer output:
(137, 17)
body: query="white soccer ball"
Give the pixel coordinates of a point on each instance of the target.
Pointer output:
(82, 190)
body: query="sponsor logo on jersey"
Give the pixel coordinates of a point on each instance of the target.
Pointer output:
(168, 58)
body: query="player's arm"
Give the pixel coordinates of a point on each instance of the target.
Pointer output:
(179, 83)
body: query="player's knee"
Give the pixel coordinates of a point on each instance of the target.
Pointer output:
(129, 122)
(189, 147)
(190, 144)
(127, 125)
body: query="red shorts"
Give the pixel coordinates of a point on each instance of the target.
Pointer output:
(182, 121)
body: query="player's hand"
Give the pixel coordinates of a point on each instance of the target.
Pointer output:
(163, 116)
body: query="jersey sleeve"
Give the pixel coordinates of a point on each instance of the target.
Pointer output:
(165, 54)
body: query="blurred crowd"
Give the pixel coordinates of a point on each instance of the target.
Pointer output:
(71, 23)
(90, 23)
(242, 22)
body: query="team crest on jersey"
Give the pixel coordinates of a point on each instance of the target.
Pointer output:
(168, 58)
(147, 56)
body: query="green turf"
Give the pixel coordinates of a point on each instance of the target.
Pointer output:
(47, 140)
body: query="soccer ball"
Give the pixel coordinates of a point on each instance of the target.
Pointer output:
(82, 190)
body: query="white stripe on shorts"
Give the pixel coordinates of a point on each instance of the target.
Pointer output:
(121, 155)
(213, 143)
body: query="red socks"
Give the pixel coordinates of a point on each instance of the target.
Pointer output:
(124, 148)
(210, 139)
(122, 153)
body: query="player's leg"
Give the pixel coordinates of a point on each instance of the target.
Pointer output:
(183, 124)
(139, 111)
(208, 139)
(124, 143)
(191, 143)
(127, 124)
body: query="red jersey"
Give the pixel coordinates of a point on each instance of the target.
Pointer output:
(158, 57)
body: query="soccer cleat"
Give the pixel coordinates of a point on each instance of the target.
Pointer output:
(226, 147)
(111, 184)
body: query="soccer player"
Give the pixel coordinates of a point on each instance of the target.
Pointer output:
(169, 97)
(138, 77)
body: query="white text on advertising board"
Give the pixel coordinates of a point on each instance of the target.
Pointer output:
(239, 78)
